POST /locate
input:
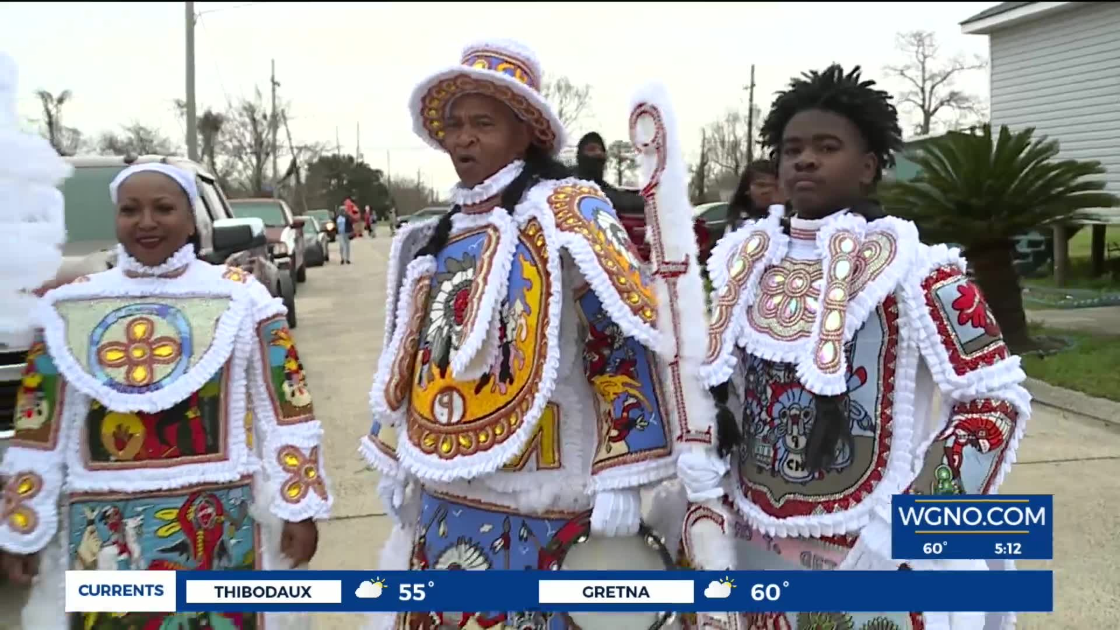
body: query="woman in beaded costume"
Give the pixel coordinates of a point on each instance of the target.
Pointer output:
(154, 396)
(861, 362)
(518, 403)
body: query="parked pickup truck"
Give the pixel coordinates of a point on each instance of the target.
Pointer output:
(91, 241)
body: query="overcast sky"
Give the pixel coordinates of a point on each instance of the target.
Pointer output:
(341, 64)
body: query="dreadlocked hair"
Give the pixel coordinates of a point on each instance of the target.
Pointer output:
(876, 118)
(848, 95)
(539, 166)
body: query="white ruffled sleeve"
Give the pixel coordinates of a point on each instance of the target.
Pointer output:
(284, 417)
(34, 465)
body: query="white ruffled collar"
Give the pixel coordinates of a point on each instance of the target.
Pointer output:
(803, 235)
(493, 186)
(178, 261)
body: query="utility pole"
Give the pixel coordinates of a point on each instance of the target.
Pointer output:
(275, 129)
(750, 118)
(192, 131)
(338, 143)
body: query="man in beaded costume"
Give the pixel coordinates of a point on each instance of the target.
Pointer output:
(861, 362)
(518, 404)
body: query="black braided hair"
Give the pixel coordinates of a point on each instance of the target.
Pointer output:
(539, 166)
(728, 435)
(847, 95)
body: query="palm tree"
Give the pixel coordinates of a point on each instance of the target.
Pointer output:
(982, 192)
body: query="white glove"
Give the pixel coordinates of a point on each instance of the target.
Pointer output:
(392, 492)
(702, 471)
(617, 512)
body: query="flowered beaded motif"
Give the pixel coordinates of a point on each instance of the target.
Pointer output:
(303, 474)
(18, 493)
(585, 211)
(39, 401)
(739, 269)
(966, 325)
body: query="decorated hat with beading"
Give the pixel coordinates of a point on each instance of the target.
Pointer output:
(504, 69)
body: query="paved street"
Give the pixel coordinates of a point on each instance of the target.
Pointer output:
(341, 319)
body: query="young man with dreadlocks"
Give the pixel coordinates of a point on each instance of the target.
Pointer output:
(517, 405)
(859, 363)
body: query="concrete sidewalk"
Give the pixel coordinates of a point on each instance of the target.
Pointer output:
(1101, 320)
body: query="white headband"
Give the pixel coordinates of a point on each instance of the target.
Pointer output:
(181, 177)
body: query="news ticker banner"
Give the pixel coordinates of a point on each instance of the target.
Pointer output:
(559, 591)
(972, 527)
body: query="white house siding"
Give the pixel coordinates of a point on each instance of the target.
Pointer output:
(1061, 75)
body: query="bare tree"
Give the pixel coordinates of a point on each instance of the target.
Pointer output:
(701, 172)
(135, 139)
(727, 142)
(247, 136)
(624, 158)
(210, 130)
(65, 140)
(568, 100)
(930, 80)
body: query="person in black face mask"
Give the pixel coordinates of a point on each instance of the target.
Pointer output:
(591, 164)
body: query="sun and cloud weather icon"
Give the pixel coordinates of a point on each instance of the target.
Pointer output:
(371, 589)
(720, 589)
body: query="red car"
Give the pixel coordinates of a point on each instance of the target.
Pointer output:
(635, 224)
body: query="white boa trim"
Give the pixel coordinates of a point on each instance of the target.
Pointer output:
(898, 474)
(580, 250)
(495, 285)
(493, 186)
(432, 467)
(406, 311)
(859, 306)
(916, 315)
(409, 240)
(181, 258)
(201, 280)
(395, 556)
(720, 369)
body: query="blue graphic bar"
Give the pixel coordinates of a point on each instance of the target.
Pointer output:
(604, 591)
(972, 527)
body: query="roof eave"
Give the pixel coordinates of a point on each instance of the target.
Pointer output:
(1000, 21)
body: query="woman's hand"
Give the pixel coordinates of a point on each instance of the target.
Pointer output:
(20, 569)
(299, 541)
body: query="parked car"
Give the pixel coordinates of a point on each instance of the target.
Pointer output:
(285, 232)
(420, 215)
(317, 245)
(91, 246)
(326, 222)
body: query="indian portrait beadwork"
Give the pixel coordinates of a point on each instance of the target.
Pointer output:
(193, 430)
(584, 211)
(283, 373)
(779, 415)
(449, 417)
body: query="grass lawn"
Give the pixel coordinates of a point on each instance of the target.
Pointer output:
(1090, 365)
(1080, 253)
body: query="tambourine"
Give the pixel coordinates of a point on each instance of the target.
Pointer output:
(573, 548)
